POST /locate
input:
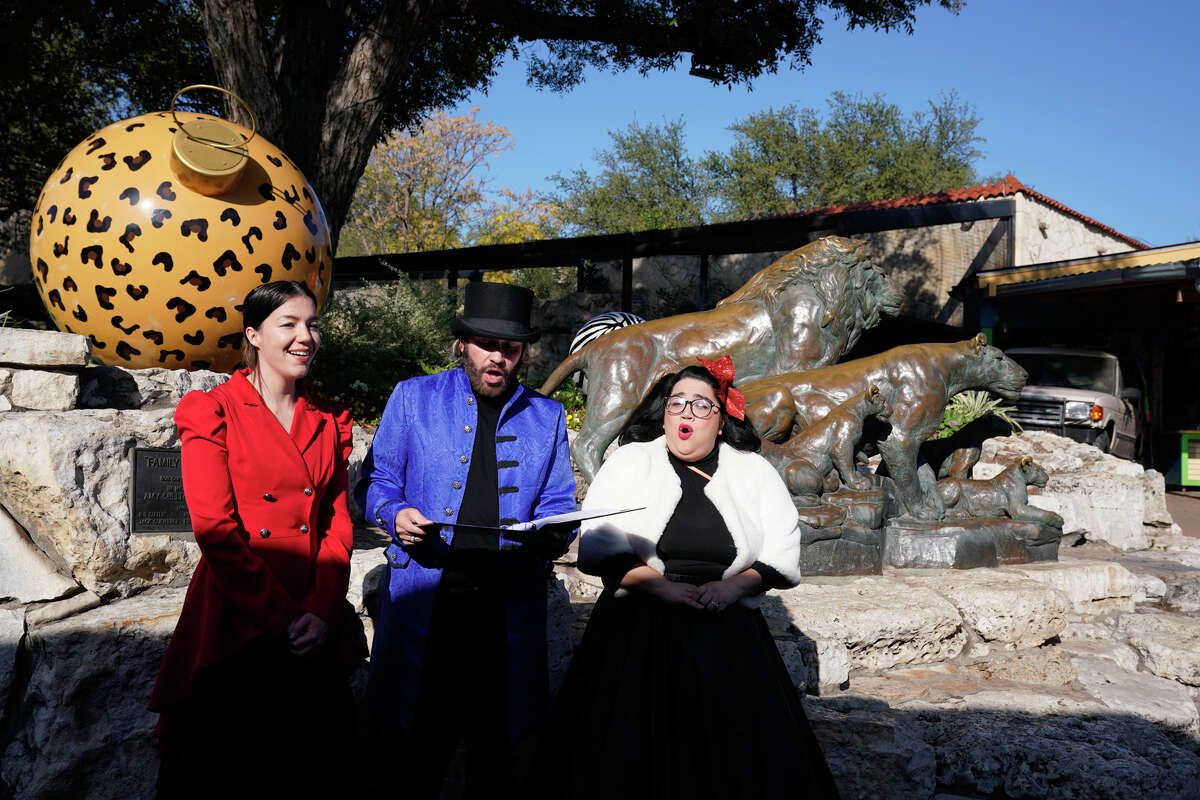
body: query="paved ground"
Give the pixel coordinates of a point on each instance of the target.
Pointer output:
(1185, 509)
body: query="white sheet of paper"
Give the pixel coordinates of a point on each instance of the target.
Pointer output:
(570, 516)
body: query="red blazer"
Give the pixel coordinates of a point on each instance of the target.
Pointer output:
(268, 510)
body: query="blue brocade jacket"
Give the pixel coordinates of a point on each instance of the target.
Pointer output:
(420, 457)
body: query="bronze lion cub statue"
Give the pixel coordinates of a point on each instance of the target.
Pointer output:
(808, 461)
(1003, 495)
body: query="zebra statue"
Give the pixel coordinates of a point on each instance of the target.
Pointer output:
(596, 327)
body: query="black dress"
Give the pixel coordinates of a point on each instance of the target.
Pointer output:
(665, 701)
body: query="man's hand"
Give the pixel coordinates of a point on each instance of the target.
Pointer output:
(408, 526)
(551, 541)
(306, 633)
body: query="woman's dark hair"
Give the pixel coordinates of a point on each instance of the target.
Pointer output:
(261, 303)
(646, 423)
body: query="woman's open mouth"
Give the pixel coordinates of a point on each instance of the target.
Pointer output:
(685, 431)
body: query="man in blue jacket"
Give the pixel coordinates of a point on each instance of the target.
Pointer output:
(460, 640)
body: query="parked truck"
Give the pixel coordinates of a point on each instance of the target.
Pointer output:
(1083, 395)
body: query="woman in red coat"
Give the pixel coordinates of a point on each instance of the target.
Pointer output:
(250, 691)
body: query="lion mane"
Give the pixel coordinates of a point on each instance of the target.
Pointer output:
(805, 310)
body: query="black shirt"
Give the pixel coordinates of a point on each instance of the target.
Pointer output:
(695, 545)
(471, 563)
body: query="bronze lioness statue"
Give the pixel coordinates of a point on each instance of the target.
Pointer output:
(805, 310)
(917, 380)
(807, 461)
(1003, 495)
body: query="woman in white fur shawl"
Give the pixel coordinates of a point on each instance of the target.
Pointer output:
(677, 690)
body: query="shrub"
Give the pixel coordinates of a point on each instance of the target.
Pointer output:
(373, 336)
(966, 407)
(574, 402)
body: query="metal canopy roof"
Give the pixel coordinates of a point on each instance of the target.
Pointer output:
(1159, 264)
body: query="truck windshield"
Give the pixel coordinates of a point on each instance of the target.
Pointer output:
(1072, 371)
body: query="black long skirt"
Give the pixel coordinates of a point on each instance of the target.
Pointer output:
(668, 702)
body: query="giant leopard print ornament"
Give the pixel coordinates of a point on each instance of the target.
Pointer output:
(154, 273)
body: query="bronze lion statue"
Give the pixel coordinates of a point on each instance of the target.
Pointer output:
(805, 310)
(917, 380)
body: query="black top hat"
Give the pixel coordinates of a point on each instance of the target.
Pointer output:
(496, 309)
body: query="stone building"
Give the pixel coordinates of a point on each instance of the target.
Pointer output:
(928, 243)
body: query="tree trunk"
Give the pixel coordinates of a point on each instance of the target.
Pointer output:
(320, 100)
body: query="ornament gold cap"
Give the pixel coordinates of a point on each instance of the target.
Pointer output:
(209, 155)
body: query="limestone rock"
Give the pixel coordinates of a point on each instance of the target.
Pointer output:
(816, 666)
(1168, 643)
(1156, 513)
(362, 443)
(368, 571)
(61, 609)
(29, 348)
(65, 479)
(583, 588)
(155, 388)
(86, 730)
(26, 575)
(1148, 588)
(1094, 587)
(881, 621)
(1089, 640)
(1158, 700)
(1001, 607)
(872, 751)
(1041, 666)
(998, 753)
(1092, 491)
(1182, 595)
(1182, 549)
(12, 631)
(43, 390)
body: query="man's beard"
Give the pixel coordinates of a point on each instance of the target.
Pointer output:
(482, 389)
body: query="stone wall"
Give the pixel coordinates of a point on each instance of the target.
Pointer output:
(926, 262)
(1043, 233)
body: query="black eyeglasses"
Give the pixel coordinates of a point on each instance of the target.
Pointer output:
(702, 408)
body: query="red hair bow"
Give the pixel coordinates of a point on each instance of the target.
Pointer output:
(732, 399)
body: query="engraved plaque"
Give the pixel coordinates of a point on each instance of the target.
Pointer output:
(156, 503)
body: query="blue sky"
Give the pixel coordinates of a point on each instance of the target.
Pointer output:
(1091, 103)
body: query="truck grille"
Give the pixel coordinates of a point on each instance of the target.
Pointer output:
(1039, 413)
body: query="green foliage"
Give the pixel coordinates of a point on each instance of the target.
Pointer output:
(574, 402)
(73, 66)
(966, 407)
(781, 161)
(863, 149)
(647, 180)
(426, 189)
(374, 336)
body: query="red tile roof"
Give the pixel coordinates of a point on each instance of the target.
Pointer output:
(1006, 186)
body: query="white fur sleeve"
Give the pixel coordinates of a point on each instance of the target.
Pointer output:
(604, 539)
(780, 523)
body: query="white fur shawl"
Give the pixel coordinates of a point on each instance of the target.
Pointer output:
(746, 491)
